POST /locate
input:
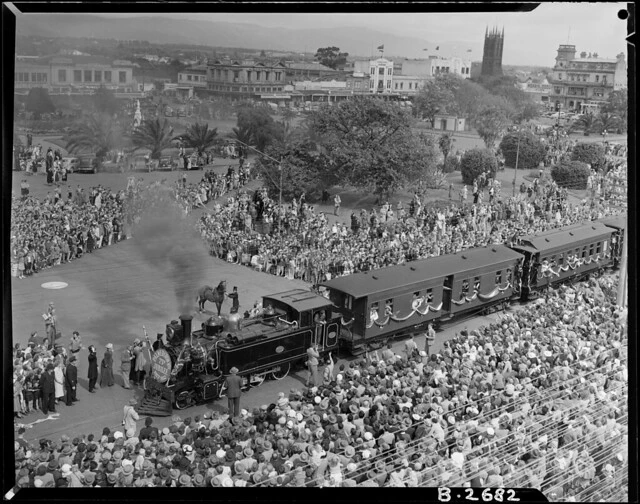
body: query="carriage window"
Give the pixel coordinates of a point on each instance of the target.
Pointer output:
(374, 306)
(388, 305)
(509, 275)
(416, 295)
(598, 247)
(465, 287)
(498, 277)
(591, 249)
(429, 295)
(584, 252)
(560, 259)
(348, 301)
(476, 284)
(305, 319)
(604, 246)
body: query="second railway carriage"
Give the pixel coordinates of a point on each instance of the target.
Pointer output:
(398, 300)
(564, 254)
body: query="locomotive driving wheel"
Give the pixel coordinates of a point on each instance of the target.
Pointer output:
(184, 399)
(256, 380)
(282, 372)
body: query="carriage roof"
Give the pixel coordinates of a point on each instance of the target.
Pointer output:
(394, 277)
(300, 299)
(618, 221)
(565, 237)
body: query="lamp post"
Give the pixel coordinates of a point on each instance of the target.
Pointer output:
(515, 172)
(604, 136)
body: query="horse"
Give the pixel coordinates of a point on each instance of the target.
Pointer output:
(208, 293)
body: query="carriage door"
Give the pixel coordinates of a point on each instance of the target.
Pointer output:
(447, 287)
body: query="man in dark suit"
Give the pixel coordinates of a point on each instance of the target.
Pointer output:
(234, 386)
(71, 379)
(48, 388)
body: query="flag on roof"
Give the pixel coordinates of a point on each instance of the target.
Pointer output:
(468, 50)
(437, 48)
(381, 48)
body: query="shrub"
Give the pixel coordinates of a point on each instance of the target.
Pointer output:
(451, 165)
(590, 153)
(531, 150)
(571, 174)
(476, 161)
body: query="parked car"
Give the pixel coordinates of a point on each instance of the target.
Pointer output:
(87, 164)
(166, 163)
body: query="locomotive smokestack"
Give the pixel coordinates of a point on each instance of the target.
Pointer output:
(186, 327)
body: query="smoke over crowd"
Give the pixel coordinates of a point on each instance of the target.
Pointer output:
(169, 242)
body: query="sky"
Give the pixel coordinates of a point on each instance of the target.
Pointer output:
(531, 38)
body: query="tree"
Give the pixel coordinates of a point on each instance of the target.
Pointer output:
(618, 105)
(435, 97)
(570, 174)
(242, 134)
(445, 142)
(587, 123)
(370, 145)
(491, 124)
(97, 134)
(606, 121)
(527, 113)
(105, 102)
(530, 153)
(591, 154)
(199, 137)
(259, 124)
(288, 115)
(331, 57)
(477, 161)
(154, 135)
(39, 102)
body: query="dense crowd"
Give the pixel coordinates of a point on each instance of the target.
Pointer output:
(244, 230)
(58, 229)
(534, 400)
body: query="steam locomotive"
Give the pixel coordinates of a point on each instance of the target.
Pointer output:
(365, 310)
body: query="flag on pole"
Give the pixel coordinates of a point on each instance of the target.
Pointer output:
(468, 50)
(425, 49)
(437, 48)
(381, 48)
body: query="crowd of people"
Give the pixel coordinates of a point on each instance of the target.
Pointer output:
(245, 230)
(534, 400)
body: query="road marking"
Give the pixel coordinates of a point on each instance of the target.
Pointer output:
(54, 285)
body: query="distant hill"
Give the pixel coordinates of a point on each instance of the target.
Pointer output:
(356, 41)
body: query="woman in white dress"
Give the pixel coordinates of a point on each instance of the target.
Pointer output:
(58, 374)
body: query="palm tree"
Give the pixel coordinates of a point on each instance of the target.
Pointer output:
(199, 137)
(98, 134)
(607, 121)
(587, 123)
(153, 135)
(242, 134)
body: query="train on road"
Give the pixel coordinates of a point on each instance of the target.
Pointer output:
(365, 310)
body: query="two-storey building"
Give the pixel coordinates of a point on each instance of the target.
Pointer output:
(380, 73)
(582, 84)
(245, 79)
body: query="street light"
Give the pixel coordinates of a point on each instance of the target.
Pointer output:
(604, 136)
(515, 173)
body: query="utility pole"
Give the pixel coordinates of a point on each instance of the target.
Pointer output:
(515, 173)
(622, 282)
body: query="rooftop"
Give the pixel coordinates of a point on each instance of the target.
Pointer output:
(300, 299)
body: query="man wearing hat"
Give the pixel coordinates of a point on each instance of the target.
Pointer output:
(234, 390)
(47, 387)
(71, 379)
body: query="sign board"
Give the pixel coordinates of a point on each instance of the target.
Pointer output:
(161, 365)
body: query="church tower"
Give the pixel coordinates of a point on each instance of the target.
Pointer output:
(492, 55)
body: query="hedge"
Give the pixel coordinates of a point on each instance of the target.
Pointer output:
(571, 174)
(476, 161)
(591, 154)
(532, 151)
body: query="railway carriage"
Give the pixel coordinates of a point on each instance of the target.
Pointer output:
(565, 254)
(398, 300)
(364, 310)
